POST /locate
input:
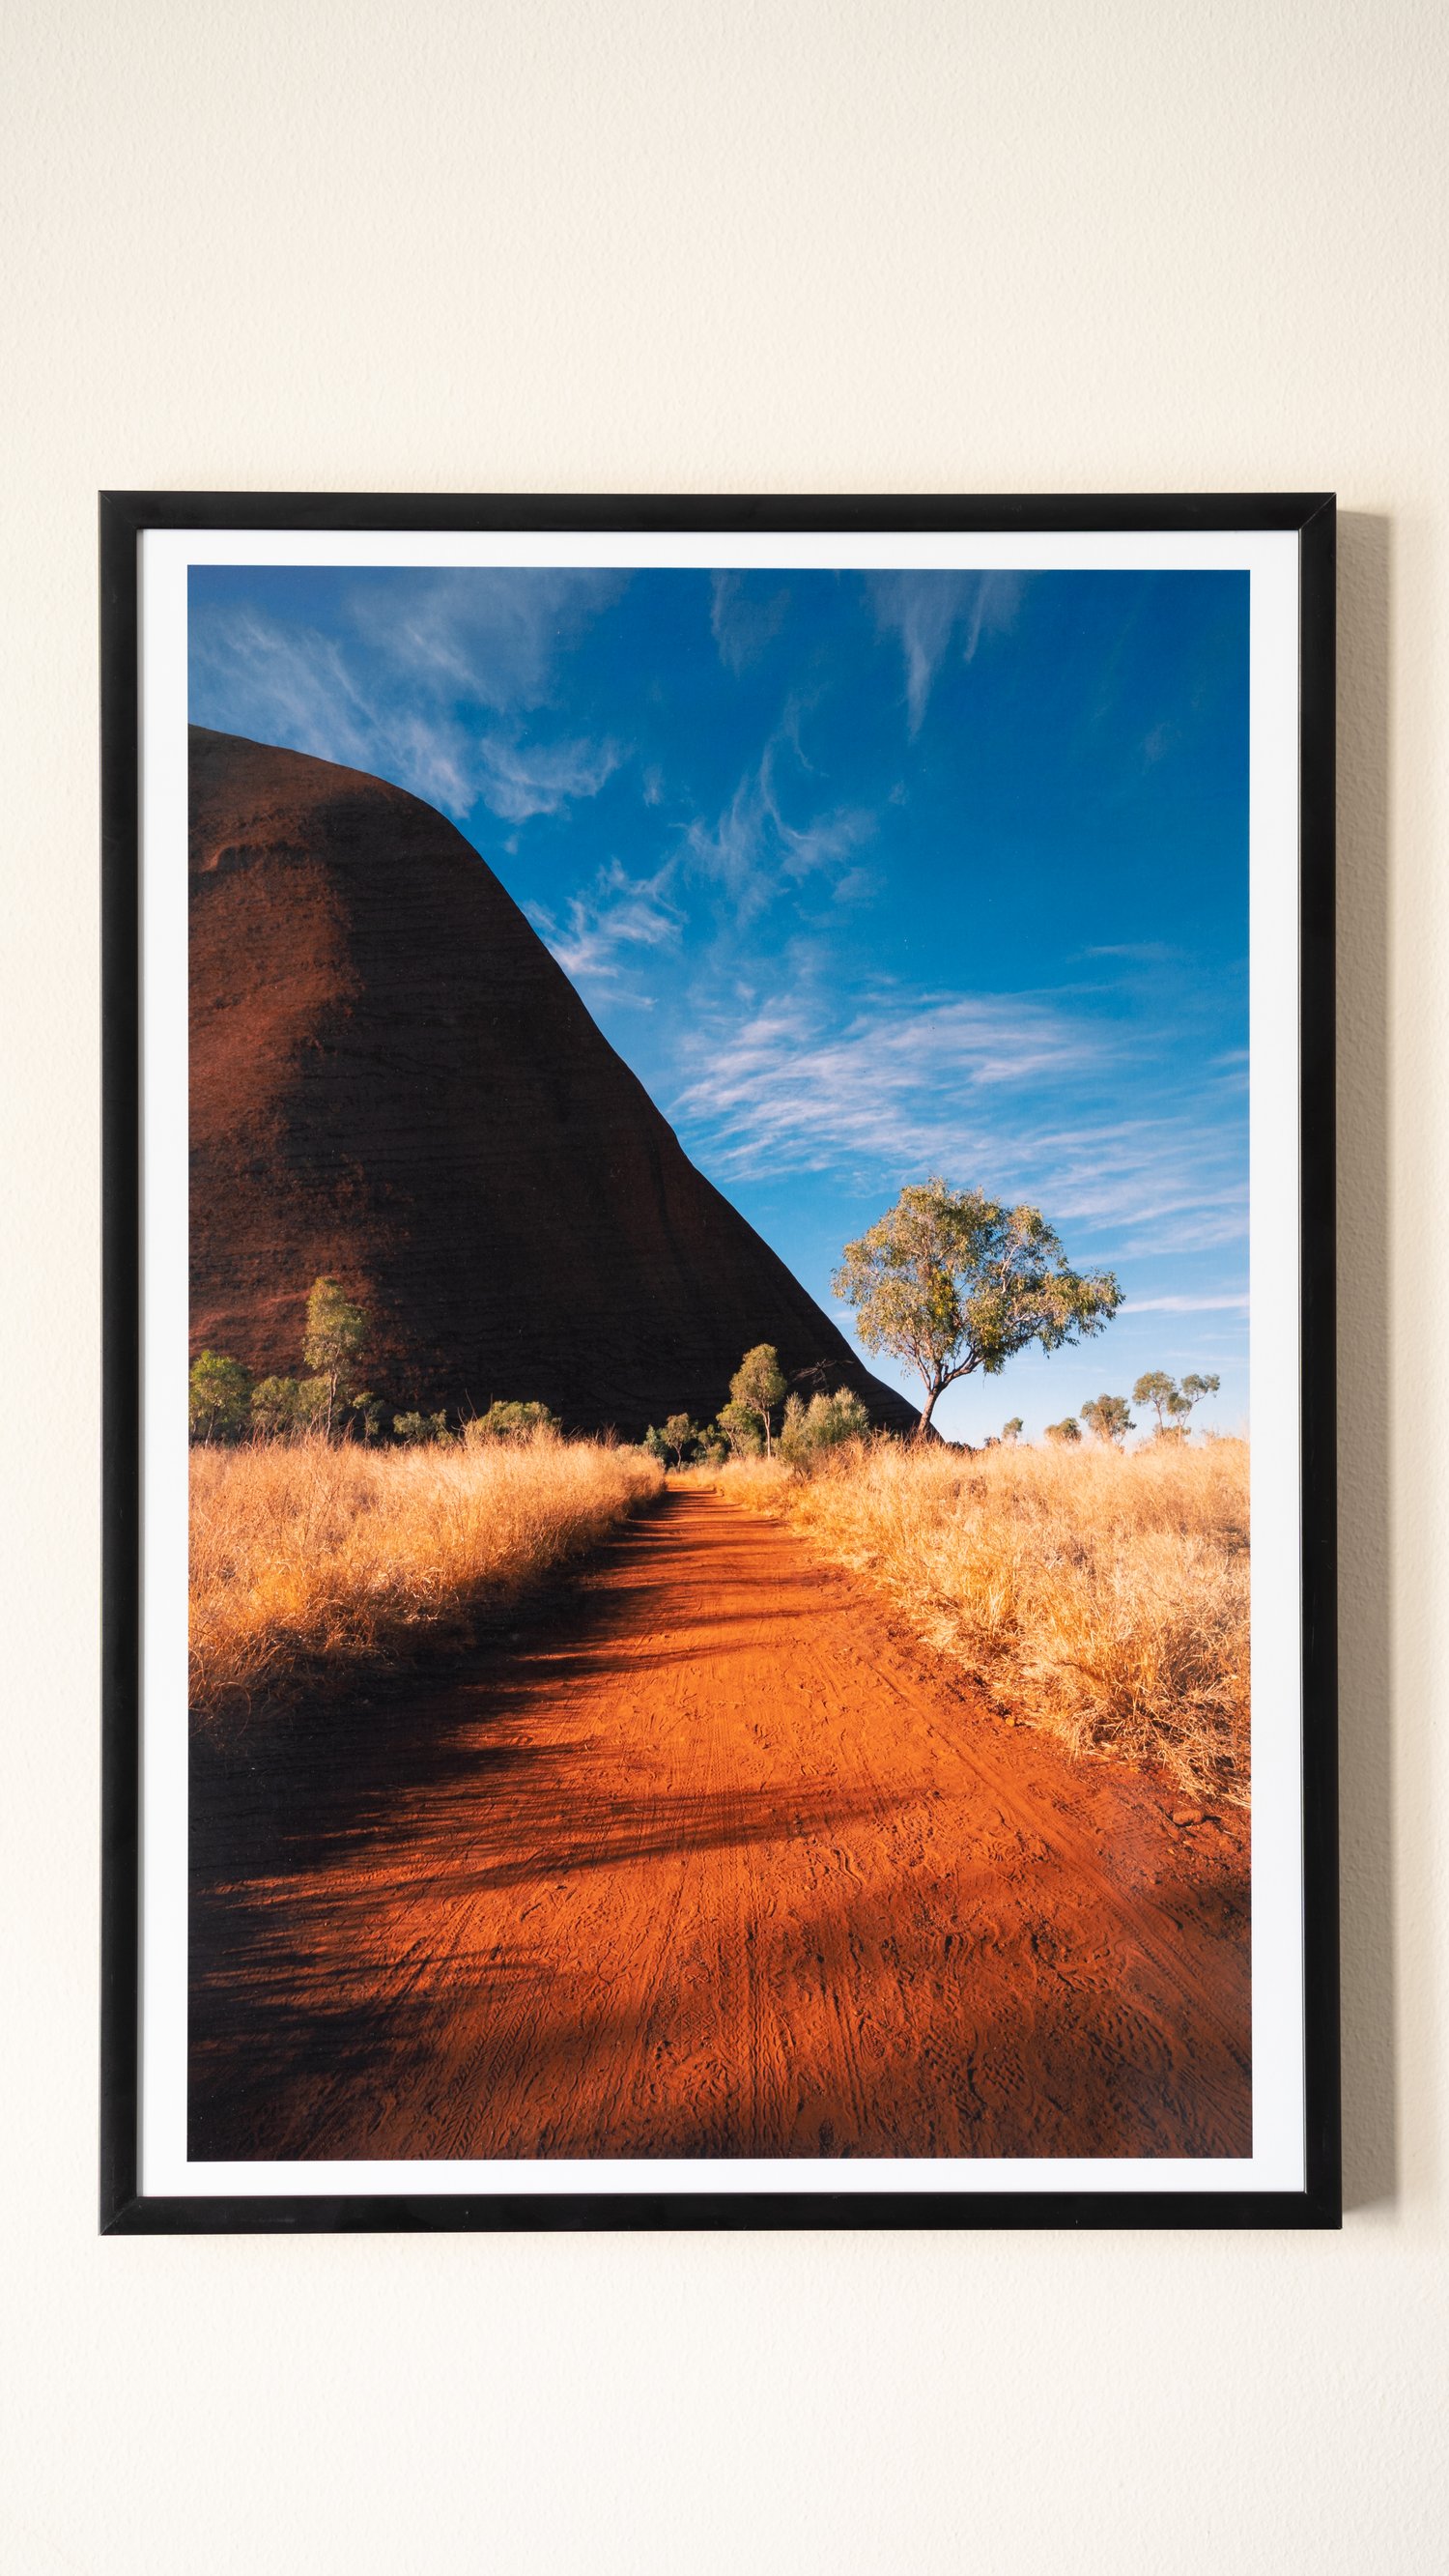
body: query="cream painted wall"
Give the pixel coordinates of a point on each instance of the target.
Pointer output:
(1031, 244)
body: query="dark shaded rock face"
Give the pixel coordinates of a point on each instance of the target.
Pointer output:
(392, 1081)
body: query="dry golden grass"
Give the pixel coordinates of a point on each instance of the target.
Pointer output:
(1102, 1595)
(309, 1556)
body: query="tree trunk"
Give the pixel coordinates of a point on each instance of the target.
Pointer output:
(924, 1425)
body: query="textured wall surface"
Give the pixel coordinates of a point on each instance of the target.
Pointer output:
(1031, 244)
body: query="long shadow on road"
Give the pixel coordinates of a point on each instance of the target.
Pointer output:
(696, 1856)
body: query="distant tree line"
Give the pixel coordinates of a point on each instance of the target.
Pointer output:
(1109, 1418)
(948, 1281)
(745, 1426)
(329, 1401)
(227, 1405)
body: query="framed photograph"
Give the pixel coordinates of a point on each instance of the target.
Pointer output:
(719, 1362)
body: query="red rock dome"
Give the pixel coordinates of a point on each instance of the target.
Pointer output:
(393, 1081)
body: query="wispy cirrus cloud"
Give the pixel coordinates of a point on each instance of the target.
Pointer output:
(1191, 1305)
(899, 1083)
(277, 682)
(433, 680)
(744, 618)
(620, 917)
(1167, 1184)
(520, 778)
(970, 1085)
(492, 635)
(752, 852)
(751, 849)
(928, 609)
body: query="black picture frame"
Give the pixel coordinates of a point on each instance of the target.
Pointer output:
(124, 519)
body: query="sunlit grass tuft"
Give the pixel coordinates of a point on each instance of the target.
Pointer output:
(1102, 1595)
(308, 1556)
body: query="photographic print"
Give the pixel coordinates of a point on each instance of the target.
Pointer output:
(721, 1299)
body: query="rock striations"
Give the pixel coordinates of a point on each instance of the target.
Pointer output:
(392, 1081)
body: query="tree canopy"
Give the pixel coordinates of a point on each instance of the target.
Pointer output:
(679, 1434)
(1172, 1403)
(514, 1422)
(759, 1385)
(952, 1281)
(1109, 1419)
(336, 1335)
(274, 1407)
(827, 1422)
(220, 1397)
(421, 1430)
(741, 1428)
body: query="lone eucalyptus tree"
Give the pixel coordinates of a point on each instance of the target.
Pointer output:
(952, 1281)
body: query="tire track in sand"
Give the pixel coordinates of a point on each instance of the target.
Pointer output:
(712, 1860)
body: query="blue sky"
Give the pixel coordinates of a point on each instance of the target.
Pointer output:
(867, 876)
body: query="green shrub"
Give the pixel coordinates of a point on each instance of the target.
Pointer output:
(679, 1442)
(316, 1399)
(742, 1429)
(516, 1422)
(220, 1397)
(274, 1407)
(421, 1430)
(827, 1422)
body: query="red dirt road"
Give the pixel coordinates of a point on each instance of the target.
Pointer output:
(712, 1860)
